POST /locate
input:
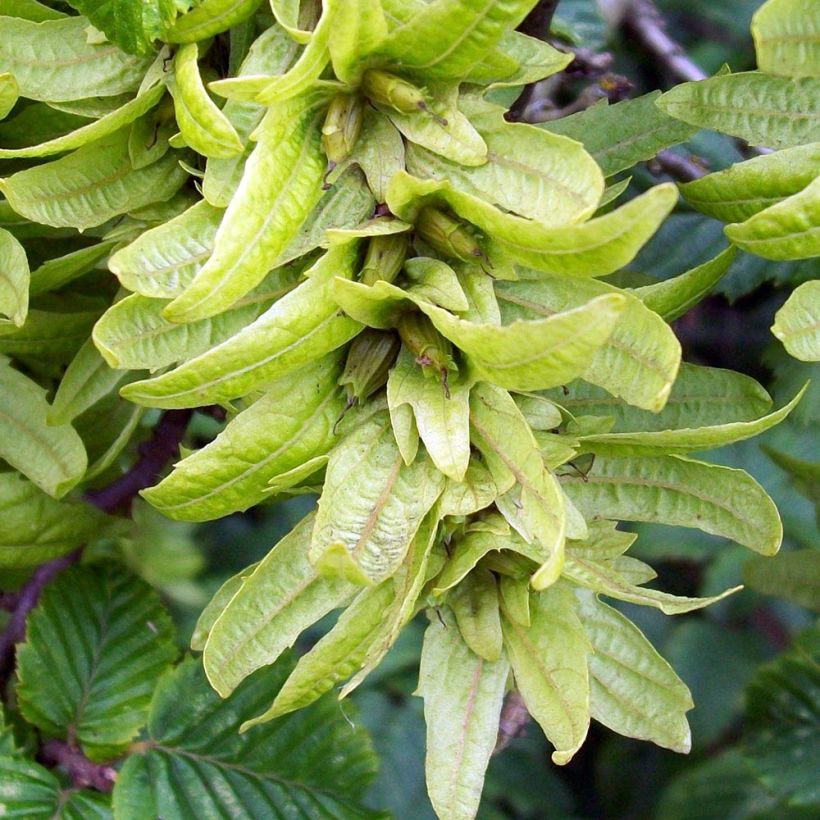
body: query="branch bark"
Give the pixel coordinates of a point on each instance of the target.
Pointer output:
(79, 768)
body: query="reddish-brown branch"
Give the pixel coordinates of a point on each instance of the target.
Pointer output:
(80, 769)
(513, 722)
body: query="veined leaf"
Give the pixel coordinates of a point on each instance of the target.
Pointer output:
(91, 185)
(133, 333)
(637, 360)
(9, 93)
(90, 661)
(797, 323)
(290, 425)
(787, 230)
(265, 349)
(681, 492)
(194, 762)
(279, 187)
(14, 280)
(549, 663)
(747, 188)
(536, 60)
(54, 61)
(443, 420)
(52, 457)
(359, 30)
(634, 691)
(621, 135)
(787, 38)
(289, 14)
(209, 17)
(203, 126)
(29, 10)
(35, 528)
(604, 542)
(282, 597)
(671, 298)
(476, 491)
(379, 151)
(761, 108)
(55, 273)
(685, 440)
(463, 695)
(372, 504)
(54, 334)
(700, 397)
(475, 603)
(446, 39)
(794, 576)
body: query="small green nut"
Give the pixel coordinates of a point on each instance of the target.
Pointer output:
(384, 258)
(369, 360)
(384, 88)
(447, 235)
(430, 349)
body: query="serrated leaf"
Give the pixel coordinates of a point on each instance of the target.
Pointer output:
(685, 440)
(209, 17)
(794, 576)
(95, 645)
(746, 188)
(463, 695)
(790, 229)
(549, 663)
(442, 419)
(91, 185)
(35, 528)
(760, 108)
(289, 425)
(797, 323)
(31, 790)
(194, 762)
(681, 492)
(52, 457)
(621, 135)
(633, 690)
(372, 503)
(282, 597)
(279, 187)
(14, 280)
(53, 61)
(639, 359)
(265, 349)
(787, 38)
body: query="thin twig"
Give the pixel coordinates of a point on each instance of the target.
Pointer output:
(537, 23)
(79, 768)
(677, 166)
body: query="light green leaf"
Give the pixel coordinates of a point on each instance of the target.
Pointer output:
(291, 424)
(789, 229)
(375, 226)
(279, 187)
(14, 280)
(441, 127)
(9, 94)
(463, 695)
(29, 10)
(671, 298)
(761, 108)
(529, 172)
(747, 188)
(379, 152)
(794, 576)
(685, 440)
(55, 335)
(265, 349)
(91, 185)
(106, 429)
(534, 504)
(287, 14)
(372, 503)
(209, 17)
(634, 691)
(35, 528)
(442, 420)
(282, 597)
(95, 130)
(603, 543)
(133, 333)
(681, 492)
(787, 38)
(446, 39)
(195, 763)
(95, 645)
(55, 273)
(637, 361)
(475, 603)
(54, 61)
(203, 126)
(358, 30)
(514, 594)
(549, 662)
(52, 457)
(536, 60)
(621, 135)
(700, 397)
(474, 492)
(797, 323)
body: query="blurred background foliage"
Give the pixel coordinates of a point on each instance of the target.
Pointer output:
(750, 661)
